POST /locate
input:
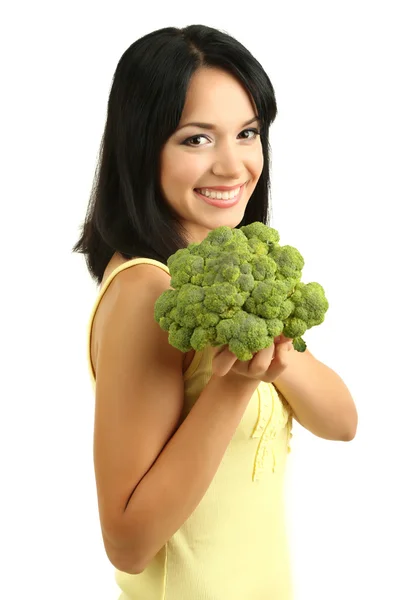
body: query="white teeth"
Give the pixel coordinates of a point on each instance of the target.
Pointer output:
(220, 195)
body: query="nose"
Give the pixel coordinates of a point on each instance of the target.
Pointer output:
(228, 162)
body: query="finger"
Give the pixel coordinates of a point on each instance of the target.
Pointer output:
(218, 349)
(223, 362)
(256, 366)
(278, 365)
(261, 361)
(283, 349)
(281, 339)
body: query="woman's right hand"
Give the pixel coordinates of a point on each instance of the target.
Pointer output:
(266, 365)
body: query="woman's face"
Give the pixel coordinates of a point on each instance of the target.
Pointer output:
(197, 157)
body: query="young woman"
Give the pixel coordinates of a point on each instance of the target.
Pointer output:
(190, 449)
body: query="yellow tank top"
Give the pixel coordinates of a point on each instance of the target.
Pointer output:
(234, 545)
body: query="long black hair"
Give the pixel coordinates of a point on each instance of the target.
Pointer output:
(126, 211)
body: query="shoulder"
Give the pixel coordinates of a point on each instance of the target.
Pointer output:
(136, 288)
(127, 306)
(141, 284)
(132, 277)
(144, 271)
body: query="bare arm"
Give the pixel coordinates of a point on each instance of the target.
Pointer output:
(320, 399)
(180, 477)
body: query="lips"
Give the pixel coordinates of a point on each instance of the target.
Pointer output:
(222, 188)
(219, 203)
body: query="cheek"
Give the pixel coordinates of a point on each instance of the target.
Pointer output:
(182, 170)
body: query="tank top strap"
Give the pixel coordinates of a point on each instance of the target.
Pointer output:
(131, 263)
(126, 265)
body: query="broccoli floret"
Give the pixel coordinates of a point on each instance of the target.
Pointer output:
(258, 230)
(245, 334)
(241, 288)
(289, 261)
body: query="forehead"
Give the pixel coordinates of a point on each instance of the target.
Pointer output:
(215, 95)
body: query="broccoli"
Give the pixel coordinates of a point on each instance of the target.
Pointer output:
(240, 288)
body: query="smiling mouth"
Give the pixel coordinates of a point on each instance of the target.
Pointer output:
(223, 201)
(220, 194)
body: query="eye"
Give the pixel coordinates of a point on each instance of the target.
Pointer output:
(197, 137)
(255, 131)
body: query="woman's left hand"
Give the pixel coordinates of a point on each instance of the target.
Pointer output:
(280, 359)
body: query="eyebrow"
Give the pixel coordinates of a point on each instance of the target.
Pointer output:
(213, 127)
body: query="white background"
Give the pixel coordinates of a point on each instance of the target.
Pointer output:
(335, 189)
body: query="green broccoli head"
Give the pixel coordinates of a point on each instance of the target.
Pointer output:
(241, 288)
